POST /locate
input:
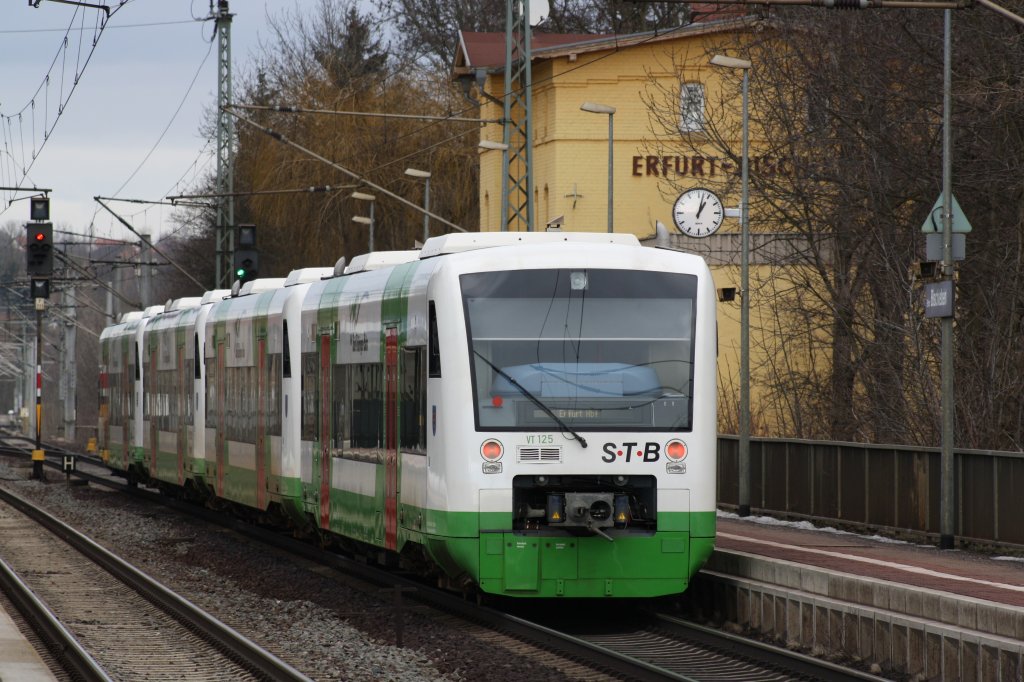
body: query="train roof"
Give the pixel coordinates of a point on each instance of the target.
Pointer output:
(258, 286)
(380, 259)
(303, 275)
(130, 316)
(458, 242)
(183, 303)
(215, 295)
(152, 310)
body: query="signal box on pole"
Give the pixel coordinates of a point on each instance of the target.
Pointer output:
(39, 249)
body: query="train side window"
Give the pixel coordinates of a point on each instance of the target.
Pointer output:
(434, 370)
(364, 405)
(211, 394)
(310, 395)
(286, 366)
(338, 401)
(138, 365)
(197, 362)
(413, 391)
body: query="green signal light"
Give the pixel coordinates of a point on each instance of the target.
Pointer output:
(240, 272)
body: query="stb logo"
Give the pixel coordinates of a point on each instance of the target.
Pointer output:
(631, 452)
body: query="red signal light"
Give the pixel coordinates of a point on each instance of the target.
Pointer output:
(40, 236)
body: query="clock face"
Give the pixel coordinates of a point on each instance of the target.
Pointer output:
(698, 212)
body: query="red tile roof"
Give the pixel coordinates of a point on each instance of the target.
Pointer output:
(487, 49)
(479, 50)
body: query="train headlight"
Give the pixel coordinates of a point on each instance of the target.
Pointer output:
(492, 450)
(676, 450)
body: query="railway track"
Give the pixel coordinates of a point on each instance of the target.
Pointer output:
(109, 619)
(661, 648)
(694, 652)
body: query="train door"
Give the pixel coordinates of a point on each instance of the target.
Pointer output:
(181, 395)
(127, 401)
(261, 423)
(220, 441)
(391, 438)
(325, 431)
(103, 417)
(152, 410)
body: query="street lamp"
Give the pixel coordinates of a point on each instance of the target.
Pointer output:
(366, 221)
(744, 446)
(491, 144)
(595, 108)
(425, 176)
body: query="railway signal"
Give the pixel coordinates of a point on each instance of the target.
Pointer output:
(246, 259)
(39, 288)
(39, 249)
(247, 262)
(39, 208)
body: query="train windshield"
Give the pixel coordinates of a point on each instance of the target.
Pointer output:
(587, 350)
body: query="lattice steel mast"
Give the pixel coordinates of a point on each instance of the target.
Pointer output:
(517, 160)
(225, 229)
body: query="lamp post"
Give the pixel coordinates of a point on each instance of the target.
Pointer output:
(492, 145)
(425, 176)
(744, 445)
(366, 221)
(595, 108)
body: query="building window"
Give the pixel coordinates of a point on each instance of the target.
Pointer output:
(691, 107)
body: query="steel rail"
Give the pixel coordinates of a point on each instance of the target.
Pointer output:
(538, 635)
(61, 643)
(575, 648)
(796, 662)
(546, 638)
(234, 644)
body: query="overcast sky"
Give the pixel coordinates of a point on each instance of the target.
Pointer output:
(138, 76)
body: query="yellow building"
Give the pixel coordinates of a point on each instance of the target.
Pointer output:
(659, 85)
(570, 147)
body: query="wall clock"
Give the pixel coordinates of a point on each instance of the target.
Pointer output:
(698, 212)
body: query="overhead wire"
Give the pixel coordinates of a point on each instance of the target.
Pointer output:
(98, 29)
(174, 116)
(58, 30)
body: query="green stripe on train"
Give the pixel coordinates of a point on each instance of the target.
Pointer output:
(503, 562)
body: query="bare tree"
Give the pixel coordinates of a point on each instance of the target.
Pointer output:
(427, 28)
(329, 61)
(846, 118)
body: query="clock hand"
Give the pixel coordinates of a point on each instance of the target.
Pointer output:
(701, 207)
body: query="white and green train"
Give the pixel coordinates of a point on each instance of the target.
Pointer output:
(529, 415)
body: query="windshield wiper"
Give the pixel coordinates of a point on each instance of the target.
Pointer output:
(533, 399)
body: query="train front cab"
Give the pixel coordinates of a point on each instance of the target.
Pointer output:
(622, 352)
(120, 379)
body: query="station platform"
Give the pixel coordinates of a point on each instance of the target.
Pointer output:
(905, 610)
(18, 658)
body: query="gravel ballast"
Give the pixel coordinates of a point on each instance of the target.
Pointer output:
(304, 614)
